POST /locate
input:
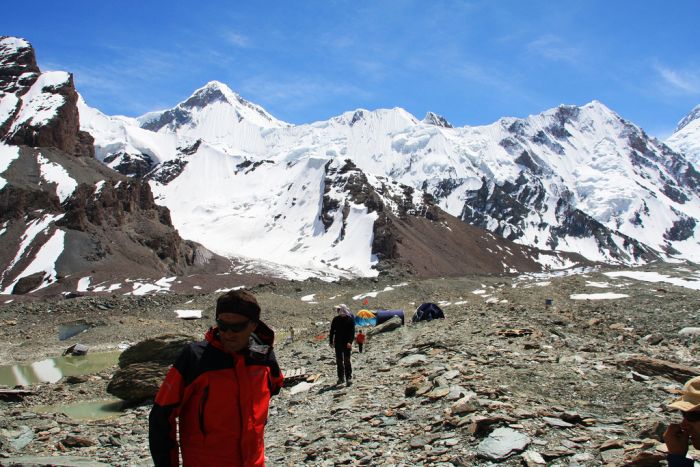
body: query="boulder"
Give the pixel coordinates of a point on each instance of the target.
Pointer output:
(28, 283)
(393, 323)
(138, 381)
(143, 366)
(653, 366)
(162, 350)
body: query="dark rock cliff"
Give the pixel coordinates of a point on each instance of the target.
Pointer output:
(18, 74)
(109, 226)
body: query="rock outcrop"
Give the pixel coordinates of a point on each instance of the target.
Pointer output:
(44, 112)
(91, 220)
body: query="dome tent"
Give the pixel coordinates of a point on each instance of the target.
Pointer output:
(386, 315)
(428, 312)
(365, 318)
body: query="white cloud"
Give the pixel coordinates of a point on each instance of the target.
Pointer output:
(554, 48)
(239, 40)
(295, 93)
(485, 76)
(684, 81)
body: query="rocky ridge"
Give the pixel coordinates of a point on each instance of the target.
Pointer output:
(54, 195)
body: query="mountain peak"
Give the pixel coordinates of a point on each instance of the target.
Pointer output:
(599, 106)
(437, 120)
(213, 91)
(201, 100)
(13, 46)
(18, 68)
(214, 84)
(693, 115)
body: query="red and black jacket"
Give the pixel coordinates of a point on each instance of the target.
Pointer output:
(221, 401)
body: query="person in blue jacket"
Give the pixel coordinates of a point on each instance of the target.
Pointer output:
(679, 436)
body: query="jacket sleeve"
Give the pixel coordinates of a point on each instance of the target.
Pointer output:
(332, 332)
(276, 376)
(162, 436)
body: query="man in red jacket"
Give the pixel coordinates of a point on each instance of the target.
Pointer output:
(219, 392)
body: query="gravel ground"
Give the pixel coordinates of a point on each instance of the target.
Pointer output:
(570, 377)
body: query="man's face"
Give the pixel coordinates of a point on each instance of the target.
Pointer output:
(692, 427)
(235, 340)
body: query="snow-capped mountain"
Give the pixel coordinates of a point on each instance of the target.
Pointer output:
(64, 216)
(577, 179)
(294, 214)
(348, 196)
(686, 138)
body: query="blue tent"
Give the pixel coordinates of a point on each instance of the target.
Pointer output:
(386, 315)
(428, 312)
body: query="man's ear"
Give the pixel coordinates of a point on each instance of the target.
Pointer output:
(255, 325)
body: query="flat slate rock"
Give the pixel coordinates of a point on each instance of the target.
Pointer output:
(502, 443)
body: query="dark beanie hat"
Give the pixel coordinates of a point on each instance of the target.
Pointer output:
(240, 302)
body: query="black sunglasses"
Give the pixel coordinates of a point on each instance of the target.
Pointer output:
(692, 416)
(233, 327)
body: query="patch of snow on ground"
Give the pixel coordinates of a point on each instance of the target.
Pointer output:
(188, 314)
(600, 285)
(44, 261)
(308, 298)
(111, 288)
(597, 296)
(228, 289)
(54, 173)
(161, 285)
(365, 295)
(692, 282)
(7, 155)
(34, 228)
(83, 284)
(98, 187)
(372, 294)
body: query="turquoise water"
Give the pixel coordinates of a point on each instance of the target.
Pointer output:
(51, 370)
(90, 410)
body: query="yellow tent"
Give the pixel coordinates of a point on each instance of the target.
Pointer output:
(365, 318)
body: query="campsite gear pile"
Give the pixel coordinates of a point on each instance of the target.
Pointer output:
(425, 312)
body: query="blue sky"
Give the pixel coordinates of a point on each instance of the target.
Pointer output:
(469, 61)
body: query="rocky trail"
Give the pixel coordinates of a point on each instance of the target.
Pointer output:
(505, 378)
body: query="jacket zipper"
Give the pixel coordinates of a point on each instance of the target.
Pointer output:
(202, 406)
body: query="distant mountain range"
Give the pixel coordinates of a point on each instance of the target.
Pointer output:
(358, 194)
(578, 179)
